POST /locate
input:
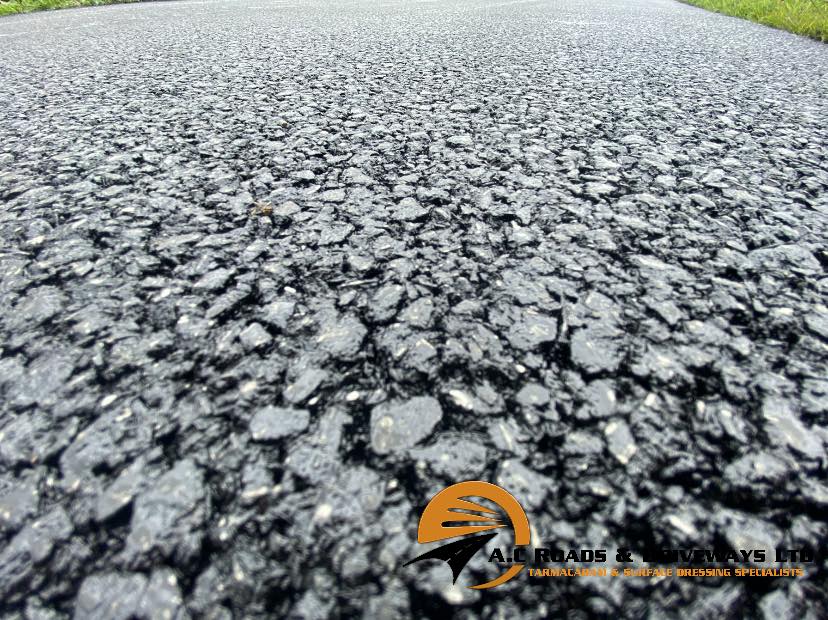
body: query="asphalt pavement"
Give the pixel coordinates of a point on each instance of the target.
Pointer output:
(274, 273)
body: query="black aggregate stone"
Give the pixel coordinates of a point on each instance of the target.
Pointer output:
(272, 275)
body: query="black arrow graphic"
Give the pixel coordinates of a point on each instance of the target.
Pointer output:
(456, 554)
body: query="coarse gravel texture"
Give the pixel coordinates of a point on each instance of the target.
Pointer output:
(272, 274)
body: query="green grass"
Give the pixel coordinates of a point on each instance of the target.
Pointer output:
(807, 17)
(8, 7)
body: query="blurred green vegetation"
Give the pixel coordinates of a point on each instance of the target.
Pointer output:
(807, 17)
(8, 7)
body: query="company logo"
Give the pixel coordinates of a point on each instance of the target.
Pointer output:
(450, 514)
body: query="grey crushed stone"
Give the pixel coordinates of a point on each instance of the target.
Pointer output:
(590, 234)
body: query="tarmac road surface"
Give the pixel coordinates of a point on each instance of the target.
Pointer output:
(274, 273)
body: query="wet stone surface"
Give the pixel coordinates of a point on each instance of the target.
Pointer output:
(400, 425)
(272, 275)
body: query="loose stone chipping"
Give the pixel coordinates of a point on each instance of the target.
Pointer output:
(398, 426)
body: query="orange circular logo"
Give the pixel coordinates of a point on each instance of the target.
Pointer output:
(450, 514)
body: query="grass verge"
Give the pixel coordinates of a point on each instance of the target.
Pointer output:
(806, 17)
(9, 7)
